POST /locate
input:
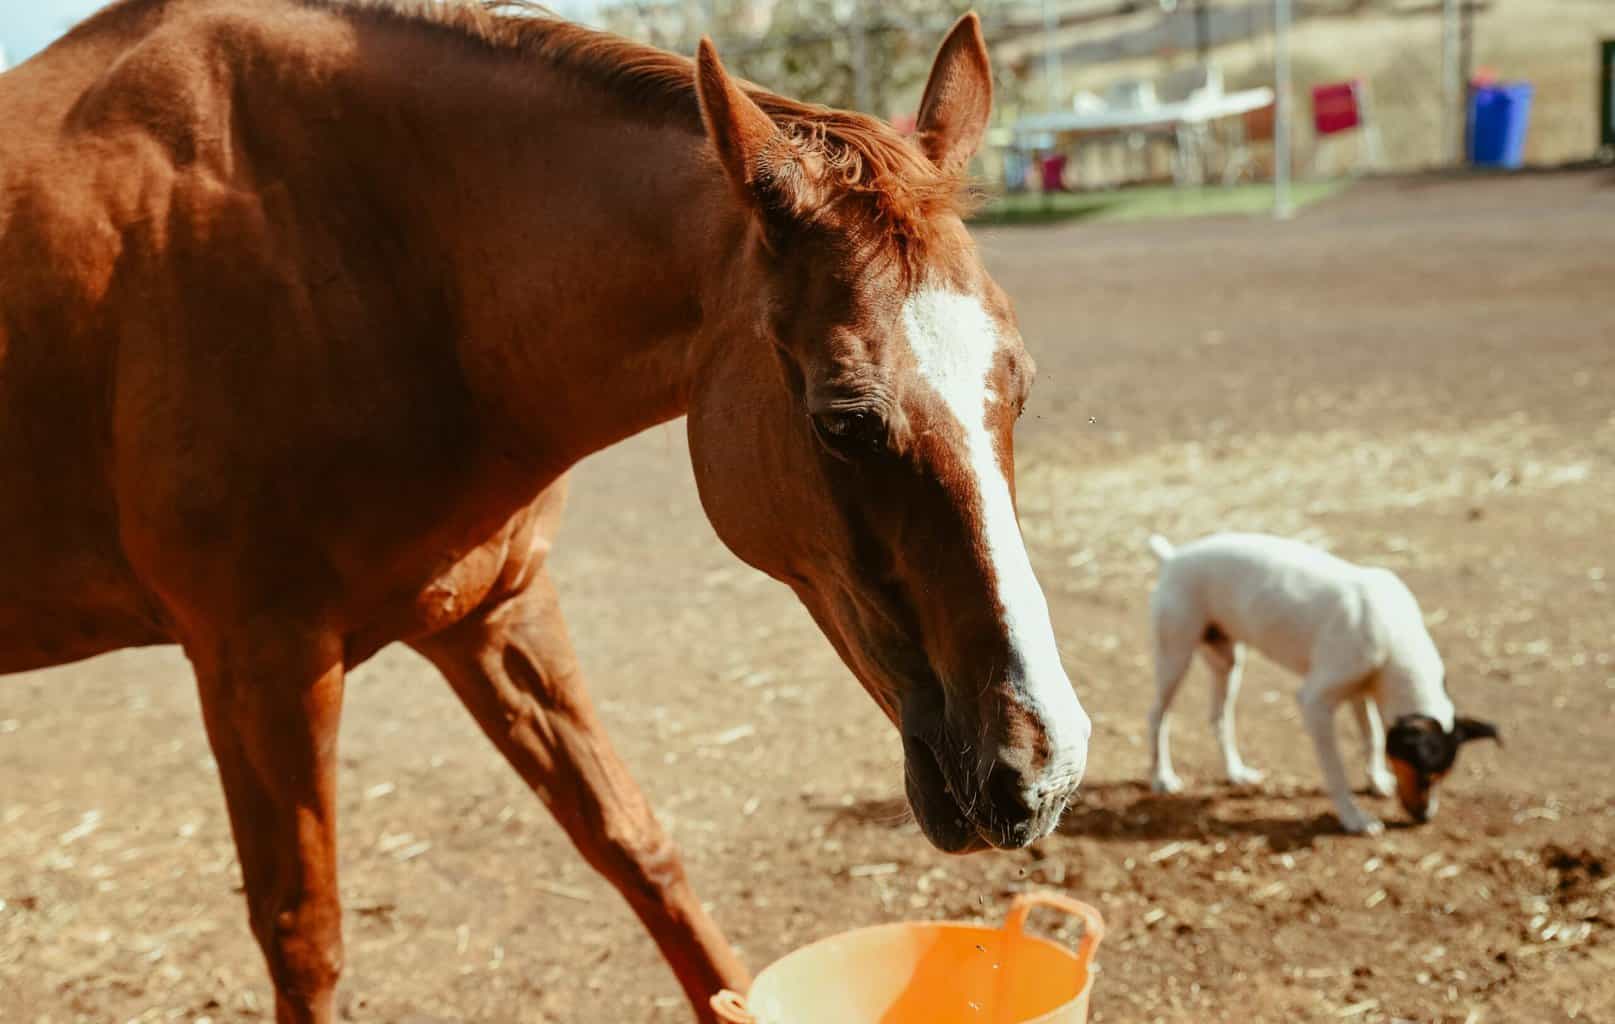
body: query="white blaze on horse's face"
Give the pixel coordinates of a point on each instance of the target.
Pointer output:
(955, 342)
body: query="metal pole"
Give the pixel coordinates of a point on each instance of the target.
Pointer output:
(704, 24)
(860, 60)
(1202, 30)
(1449, 79)
(1466, 70)
(1051, 60)
(1606, 106)
(1281, 111)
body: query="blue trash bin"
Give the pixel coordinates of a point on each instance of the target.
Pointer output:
(1498, 116)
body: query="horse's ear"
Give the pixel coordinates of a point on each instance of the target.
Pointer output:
(958, 97)
(739, 130)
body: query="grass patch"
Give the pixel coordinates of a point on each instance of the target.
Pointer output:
(1146, 203)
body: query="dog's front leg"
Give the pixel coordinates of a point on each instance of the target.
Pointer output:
(1318, 704)
(1380, 779)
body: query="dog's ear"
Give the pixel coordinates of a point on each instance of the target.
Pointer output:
(1466, 729)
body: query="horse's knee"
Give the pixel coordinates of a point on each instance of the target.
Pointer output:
(643, 859)
(303, 947)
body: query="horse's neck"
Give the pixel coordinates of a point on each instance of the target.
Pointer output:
(592, 256)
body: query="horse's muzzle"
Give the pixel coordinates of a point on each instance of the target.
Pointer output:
(1002, 811)
(942, 816)
(1015, 815)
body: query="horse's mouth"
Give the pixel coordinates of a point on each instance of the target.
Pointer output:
(942, 816)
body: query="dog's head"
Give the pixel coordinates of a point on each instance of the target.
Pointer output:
(1421, 753)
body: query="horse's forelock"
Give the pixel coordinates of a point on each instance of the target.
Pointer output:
(872, 182)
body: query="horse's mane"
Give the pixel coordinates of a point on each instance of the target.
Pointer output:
(892, 187)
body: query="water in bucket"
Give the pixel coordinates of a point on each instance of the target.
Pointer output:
(940, 973)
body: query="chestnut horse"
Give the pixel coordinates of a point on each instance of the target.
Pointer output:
(306, 308)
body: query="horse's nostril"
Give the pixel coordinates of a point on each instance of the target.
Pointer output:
(1004, 793)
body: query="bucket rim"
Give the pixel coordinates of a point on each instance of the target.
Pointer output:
(731, 1006)
(943, 926)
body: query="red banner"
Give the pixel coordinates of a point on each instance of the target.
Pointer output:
(1336, 108)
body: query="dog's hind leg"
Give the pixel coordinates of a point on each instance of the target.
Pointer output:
(1380, 779)
(1226, 659)
(1174, 650)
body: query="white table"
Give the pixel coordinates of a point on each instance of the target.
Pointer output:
(1186, 120)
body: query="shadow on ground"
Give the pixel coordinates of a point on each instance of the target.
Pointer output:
(1129, 811)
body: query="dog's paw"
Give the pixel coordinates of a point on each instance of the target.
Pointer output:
(1245, 775)
(1382, 783)
(1167, 784)
(1362, 824)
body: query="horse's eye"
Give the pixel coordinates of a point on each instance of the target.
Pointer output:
(849, 433)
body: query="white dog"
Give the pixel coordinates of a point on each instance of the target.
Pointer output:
(1355, 634)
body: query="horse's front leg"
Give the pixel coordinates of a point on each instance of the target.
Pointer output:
(272, 705)
(514, 668)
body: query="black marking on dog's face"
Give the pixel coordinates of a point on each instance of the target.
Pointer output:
(1421, 753)
(1421, 742)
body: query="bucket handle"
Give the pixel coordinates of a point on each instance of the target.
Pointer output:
(730, 1006)
(1093, 926)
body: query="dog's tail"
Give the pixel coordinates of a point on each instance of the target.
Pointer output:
(1161, 547)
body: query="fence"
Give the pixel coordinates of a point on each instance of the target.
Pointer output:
(873, 56)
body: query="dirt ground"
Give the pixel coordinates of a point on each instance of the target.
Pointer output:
(1418, 374)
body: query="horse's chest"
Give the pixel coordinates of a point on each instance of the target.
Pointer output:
(438, 596)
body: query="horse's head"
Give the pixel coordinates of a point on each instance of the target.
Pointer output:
(853, 437)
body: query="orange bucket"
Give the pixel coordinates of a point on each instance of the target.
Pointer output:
(941, 973)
